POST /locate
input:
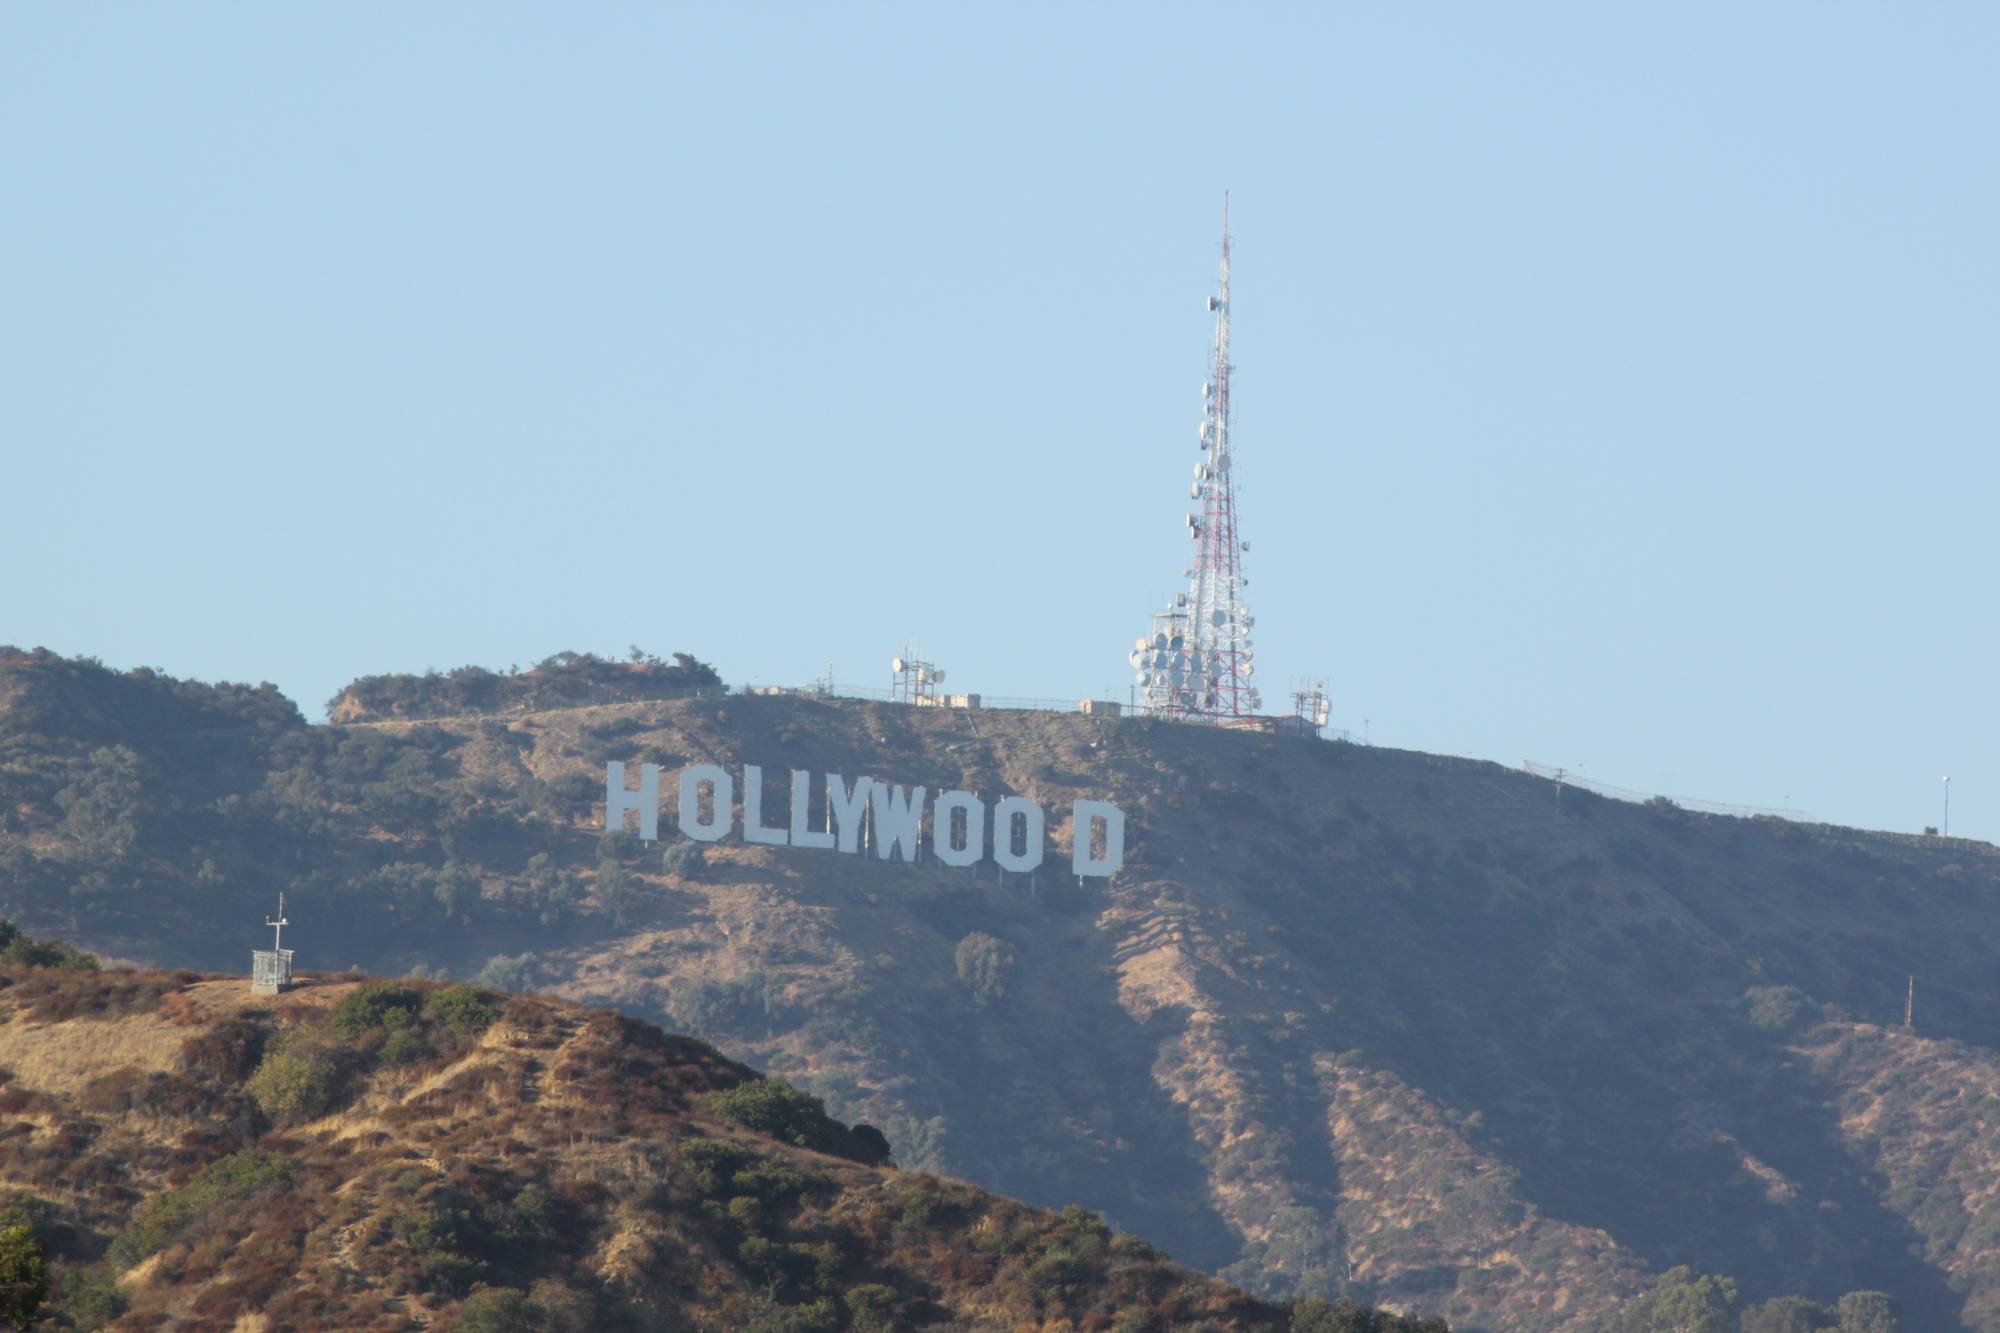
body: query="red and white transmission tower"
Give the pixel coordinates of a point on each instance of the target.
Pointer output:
(1198, 663)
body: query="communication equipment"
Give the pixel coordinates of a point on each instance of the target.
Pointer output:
(1207, 627)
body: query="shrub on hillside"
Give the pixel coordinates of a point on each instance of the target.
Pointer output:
(299, 1081)
(29, 1213)
(226, 1183)
(1777, 1008)
(227, 1050)
(767, 1316)
(712, 1164)
(685, 859)
(985, 967)
(564, 680)
(17, 950)
(376, 1006)
(522, 972)
(873, 1308)
(24, 1277)
(773, 1106)
(1868, 1312)
(621, 894)
(1682, 1300)
(90, 1297)
(1789, 1314)
(462, 1007)
(498, 1310)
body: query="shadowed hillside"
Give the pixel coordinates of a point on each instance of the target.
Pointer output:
(1350, 1020)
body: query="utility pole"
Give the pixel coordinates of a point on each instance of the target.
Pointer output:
(1910, 1006)
(1944, 830)
(1559, 789)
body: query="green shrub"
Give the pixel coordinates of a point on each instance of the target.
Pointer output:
(685, 859)
(1788, 1314)
(1869, 1312)
(24, 1277)
(449, 1274)
(404, 1046)
(462, 1007)
(523, 972)
(872, 1308)
(91, 1297)
(1776, 1008)
(1059, 1273)
(818, 1316)
(1683, 1300)
(17, 950)
(498, 1310)
(379, 1004)
(773, 1106)
(773, 1183)
(298, 1082)
(440, 1233)
(712, 1165)
(36, 1215)
(920, 1207)
(985, 967)
(221, 1183)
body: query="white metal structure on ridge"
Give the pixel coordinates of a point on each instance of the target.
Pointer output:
(1198, 663)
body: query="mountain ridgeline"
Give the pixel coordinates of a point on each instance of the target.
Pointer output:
(1349, 1022)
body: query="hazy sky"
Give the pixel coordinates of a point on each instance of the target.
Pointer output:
(1616, 384)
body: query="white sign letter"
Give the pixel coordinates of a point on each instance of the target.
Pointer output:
(847, 809)
(947, 846)
(899, 813)
(1003, 833)
(801, 807)
(1083, 832)
(753, 810)
(722, 799)
(646, 800)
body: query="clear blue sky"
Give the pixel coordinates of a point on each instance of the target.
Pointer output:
(1616, 383)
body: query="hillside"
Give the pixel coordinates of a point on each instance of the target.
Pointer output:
(377, 1155)
(1350, 1020)
(565, 680)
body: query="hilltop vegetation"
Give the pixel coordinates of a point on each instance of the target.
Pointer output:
(1351, 1023)
(565, 680)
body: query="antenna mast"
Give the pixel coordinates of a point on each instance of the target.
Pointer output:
(1199, 661)
(278, 924)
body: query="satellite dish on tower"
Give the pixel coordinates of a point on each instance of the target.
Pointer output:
(897, 664)
(937, 674)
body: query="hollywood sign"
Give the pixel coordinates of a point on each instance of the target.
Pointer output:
(887, 815)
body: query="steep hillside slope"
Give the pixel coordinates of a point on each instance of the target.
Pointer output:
(1350, 1019)
(363, 1155)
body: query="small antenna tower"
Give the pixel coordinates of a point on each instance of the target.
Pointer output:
(1310, 704)
(271, 969)
(1209, 663)
(913, 680)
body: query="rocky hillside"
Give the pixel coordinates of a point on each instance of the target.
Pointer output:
(380, 1155)
(1350, 1020)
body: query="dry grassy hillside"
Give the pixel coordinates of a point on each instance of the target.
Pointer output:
(1351, 1020)
(362, 1155)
